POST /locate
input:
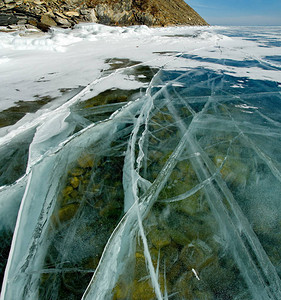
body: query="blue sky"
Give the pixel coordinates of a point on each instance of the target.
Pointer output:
(238, 12)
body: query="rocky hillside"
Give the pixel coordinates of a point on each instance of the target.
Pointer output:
(66, 13)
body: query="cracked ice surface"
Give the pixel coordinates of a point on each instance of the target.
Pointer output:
(151, 173)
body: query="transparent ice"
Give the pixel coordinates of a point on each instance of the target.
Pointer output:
(169, 191)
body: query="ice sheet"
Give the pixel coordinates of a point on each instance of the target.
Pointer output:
(148, 176)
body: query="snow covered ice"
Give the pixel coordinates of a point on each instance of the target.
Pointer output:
(140, 163)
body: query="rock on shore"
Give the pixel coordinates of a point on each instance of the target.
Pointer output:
(66, 13)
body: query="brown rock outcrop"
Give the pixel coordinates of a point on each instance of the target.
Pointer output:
(147, 12)
(66, 13)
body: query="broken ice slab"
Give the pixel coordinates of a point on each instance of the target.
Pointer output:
(14, 162)
(74, 184)
(10, 199)
(152, 203)
(214, 181)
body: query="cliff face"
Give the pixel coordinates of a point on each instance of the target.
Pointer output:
(66, 13)
(147, 12)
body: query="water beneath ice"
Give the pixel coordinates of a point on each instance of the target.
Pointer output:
(155, 176)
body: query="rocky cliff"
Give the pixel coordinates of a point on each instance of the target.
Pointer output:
(66, 13)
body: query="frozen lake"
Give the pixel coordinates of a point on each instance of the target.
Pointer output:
(140, 163)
